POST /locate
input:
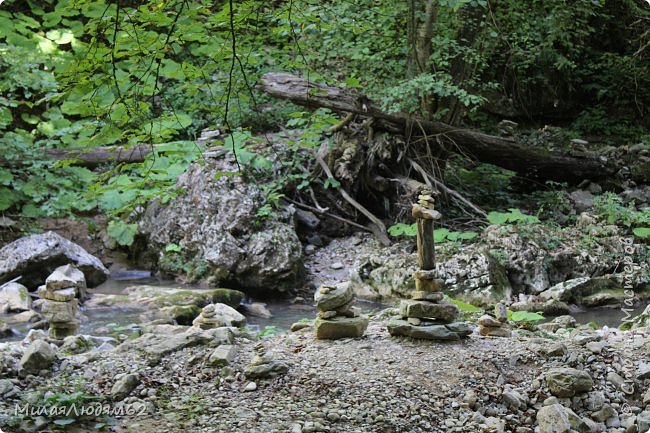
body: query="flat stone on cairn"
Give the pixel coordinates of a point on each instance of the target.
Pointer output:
(66, 277)
(337, 318)
(61, 306)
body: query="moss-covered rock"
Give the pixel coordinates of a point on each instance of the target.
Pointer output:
(551, 307)
(181, 314)
(219, 233)
(169, 304)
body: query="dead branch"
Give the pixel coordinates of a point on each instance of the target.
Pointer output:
(376, 221)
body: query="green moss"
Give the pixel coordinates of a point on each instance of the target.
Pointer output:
(183, 314)
(174, 263)
(227, 296)
(183, 297)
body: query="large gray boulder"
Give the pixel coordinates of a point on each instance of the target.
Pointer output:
(38, 356)
(221, 233)
(37, 256)
(16, 296)
(567, 382)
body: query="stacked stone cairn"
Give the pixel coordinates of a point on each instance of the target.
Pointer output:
(263, 366)
(337, 318)
(218, 315)
(495, 326)
(426, 315)
(62, 292)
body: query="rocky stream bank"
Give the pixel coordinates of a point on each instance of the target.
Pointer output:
(184, 379)
(182, 359)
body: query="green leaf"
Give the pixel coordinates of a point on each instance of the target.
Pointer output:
(330, 182)
(113, 199)
(352, 83)
(467, 235)
(173, 248)
(524, 316)
(402, 229)
(497, 217)
(440, 235)
(60, 36)
(5, 176)
(464, 306)
(5, 117)
(642, 232)
(122, 232)
(7, 198)
(30, 210)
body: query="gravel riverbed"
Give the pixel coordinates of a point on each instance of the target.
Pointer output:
(373, 384)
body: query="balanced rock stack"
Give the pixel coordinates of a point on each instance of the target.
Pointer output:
(495, 326)
(337, 318)
(263, 366)
(426, 315)
(61, 294)
(218, 315)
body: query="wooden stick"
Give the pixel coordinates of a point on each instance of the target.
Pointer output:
(342, 124)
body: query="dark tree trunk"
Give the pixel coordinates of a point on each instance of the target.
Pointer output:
(528, 162)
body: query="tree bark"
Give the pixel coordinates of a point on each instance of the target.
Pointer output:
(537, 164)
(91, 158)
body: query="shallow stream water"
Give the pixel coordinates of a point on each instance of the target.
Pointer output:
(125, 319)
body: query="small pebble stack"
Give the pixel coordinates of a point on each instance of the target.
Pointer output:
(495, 326)
(208, 318)
(218, 315)
(337, 318)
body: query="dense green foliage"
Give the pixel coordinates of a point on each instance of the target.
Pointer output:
(86, 73)
(439, 235)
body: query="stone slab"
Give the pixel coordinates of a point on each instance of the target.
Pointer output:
(419, 295)
(222, 355)
(61, 295)
(333, 297)
(340, 327)
(442, 332)
(488, 331)
(443, 311)
(54, 311)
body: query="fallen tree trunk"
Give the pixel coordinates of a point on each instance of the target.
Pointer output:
(91, 158)
(504, 152)
(103, 154)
